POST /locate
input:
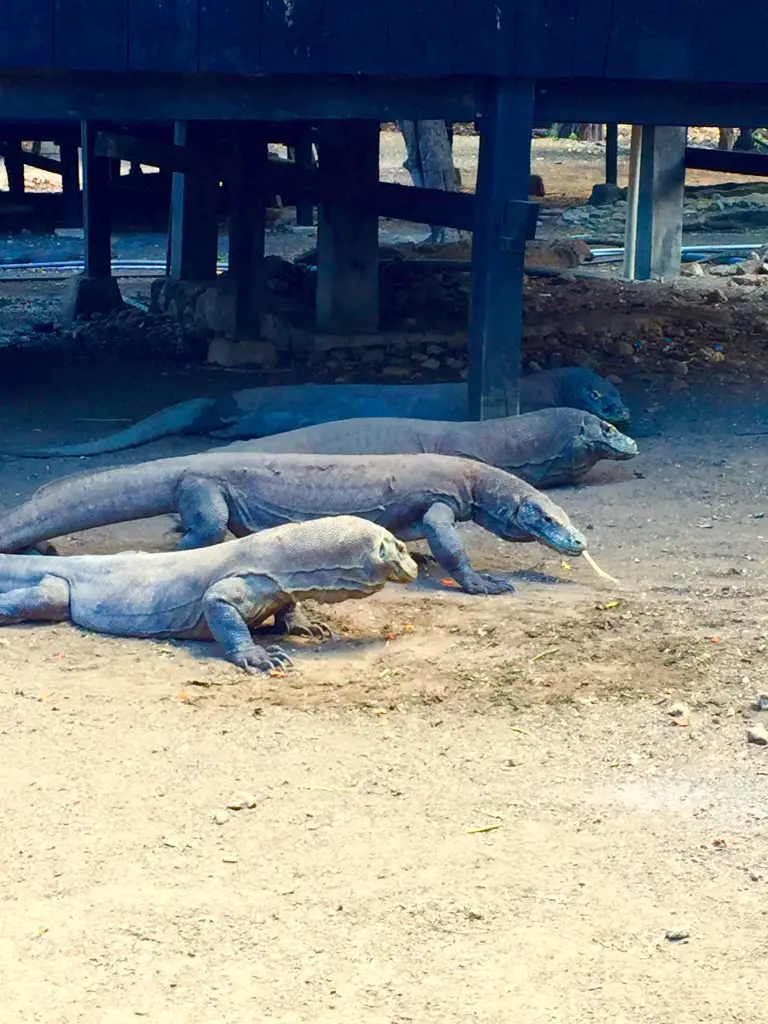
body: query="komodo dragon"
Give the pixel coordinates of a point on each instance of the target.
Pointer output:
(414, 496)
(545, 448)
(217, 593)
(257, 412)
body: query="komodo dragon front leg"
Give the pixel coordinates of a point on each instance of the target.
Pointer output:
(439, 526)
(47, 601)
(234, 604)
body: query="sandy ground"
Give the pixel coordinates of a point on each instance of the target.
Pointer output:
(359, 887)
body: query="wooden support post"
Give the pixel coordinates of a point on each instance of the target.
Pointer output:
(194, 214)
(348, 239)
(611, 154)
(246, 227)
(305, 209)
(654, 233)
(69, 154)
(14, 168)
(94, 291)
(96, 220)
(496, 311)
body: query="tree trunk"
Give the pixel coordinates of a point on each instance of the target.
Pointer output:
(429, 161)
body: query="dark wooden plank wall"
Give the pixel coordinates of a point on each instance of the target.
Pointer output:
(26, 33)
(656, 39)
(75, 26)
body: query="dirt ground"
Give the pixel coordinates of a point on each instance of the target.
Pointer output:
(465, 809)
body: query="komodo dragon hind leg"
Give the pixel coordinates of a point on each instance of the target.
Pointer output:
(48, 601)
(439, 525)
(294, 621)
(203, 510)
(230, 607)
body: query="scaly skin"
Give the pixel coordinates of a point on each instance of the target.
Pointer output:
(256, 412)
(219, 593)
(413, 496)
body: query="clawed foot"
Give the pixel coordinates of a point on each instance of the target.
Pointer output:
(486, 583)
(297, 623)
(262, 659)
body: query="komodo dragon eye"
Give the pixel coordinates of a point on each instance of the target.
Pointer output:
(383, 551)
(597, 394)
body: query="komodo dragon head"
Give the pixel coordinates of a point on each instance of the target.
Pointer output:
(344, 556)
(517, 512)
(583, 389)
(596, 437)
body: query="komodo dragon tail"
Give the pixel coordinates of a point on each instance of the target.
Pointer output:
(197, 416)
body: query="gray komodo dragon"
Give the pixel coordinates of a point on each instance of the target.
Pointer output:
(546, 448)
(259, 412)
(414, 496)
(214, 594)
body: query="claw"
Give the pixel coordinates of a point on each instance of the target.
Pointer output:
(487, 584)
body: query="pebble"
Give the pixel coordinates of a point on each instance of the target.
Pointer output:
(395, 371)
(221, 818)
(431, 364)
(758, 735)
(240, 801)
(755, 876)
(676, 934)
(679, 369)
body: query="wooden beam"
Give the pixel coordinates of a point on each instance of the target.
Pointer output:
(348, 237)
(726, 162)
(194, 214)
(400, 202)
(611, 154)
(304, 157)
(70, 183)
(246, 227)
(496, 310)
(96, 220)
(154, 97)
(653, 244)
(14, 169)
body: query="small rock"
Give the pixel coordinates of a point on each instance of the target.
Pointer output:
(757, 734)
(678, 369)
(624, 349)
(762, 702)
(697, 270)
(221, 818)
(241, 800)
(614, 378)
(676, 934)
(755, 876)
(678, 711)
(395, 371)
(715, 297)
(435, 350)
(535, 367)
(431, 364)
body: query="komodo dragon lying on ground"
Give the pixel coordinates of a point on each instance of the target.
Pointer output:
(546, 448)
(414, 496)
(257, 412)
(216, 593)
